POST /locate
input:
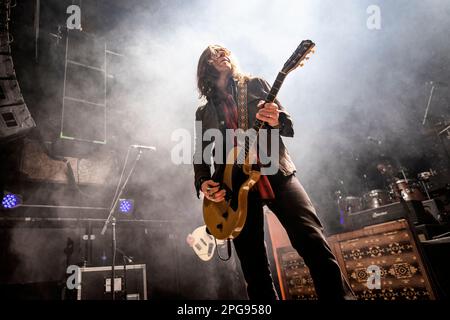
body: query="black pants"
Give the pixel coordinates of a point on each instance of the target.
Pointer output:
(296, 213)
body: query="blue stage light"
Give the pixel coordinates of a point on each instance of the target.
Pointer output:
(126, 206)
(11, 200)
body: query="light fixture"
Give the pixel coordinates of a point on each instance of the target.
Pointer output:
(11, 200)
(126, 206)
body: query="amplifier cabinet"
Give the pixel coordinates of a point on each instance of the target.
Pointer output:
(293, 275)
(382, 262)
(414, 210)
(295, 280)
(386, 251)
(95, 283)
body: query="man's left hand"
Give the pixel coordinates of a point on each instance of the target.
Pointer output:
(268, 112)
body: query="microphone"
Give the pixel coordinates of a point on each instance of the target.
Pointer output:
(137, 146)
(437, 83)
(129, 259)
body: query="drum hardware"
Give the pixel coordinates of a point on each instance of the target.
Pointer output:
(424, 178)
(407, 189)
(446, 129)
(376, 198)
(353, 204)
(424, 188)
(434, 86)
(402, 170)
(350, 204)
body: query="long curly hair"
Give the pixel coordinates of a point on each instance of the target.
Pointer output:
(207, 74)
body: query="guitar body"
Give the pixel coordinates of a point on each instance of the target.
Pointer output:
(202, 243)
(226, 219)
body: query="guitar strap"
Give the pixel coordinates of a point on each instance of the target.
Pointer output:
(242, 104)
(242, 124)
(263, 185)
(242, 113)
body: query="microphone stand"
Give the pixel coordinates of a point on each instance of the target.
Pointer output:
(125, 259)
(111, 219)
(428, 105)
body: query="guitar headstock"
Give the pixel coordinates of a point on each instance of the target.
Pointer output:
(297, 59)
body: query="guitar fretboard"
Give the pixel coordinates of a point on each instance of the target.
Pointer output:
(271, 96)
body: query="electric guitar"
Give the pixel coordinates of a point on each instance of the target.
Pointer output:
(202, 243)
(226, 219)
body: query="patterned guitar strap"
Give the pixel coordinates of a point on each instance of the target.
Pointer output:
(242, 104)
(242, 124)
(263, 185)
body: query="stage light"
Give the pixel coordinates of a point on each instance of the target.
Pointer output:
(11, 200)
(126, 206)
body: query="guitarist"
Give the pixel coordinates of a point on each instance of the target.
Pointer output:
(217, 76)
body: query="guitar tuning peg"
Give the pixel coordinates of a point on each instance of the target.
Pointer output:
(302, 64)
(313, 51)
(306, 58)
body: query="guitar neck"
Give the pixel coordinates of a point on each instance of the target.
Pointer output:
(258, 123)
(276, 87)
(271, 96)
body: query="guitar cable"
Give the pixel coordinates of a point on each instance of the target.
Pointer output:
(228, 250)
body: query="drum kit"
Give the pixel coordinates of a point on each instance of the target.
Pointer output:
(397, 185)
(405, 188)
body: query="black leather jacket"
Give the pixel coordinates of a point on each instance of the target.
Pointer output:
(257, 90)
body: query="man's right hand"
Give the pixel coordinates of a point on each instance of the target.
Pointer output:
(211, 191)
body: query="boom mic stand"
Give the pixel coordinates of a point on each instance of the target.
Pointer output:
(111, 219)
(428, 104)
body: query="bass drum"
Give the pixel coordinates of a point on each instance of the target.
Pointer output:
(376, 198)
(407, 189)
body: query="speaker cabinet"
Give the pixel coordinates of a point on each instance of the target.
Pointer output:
(383, 262)
(15, 119)
(294, 279)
